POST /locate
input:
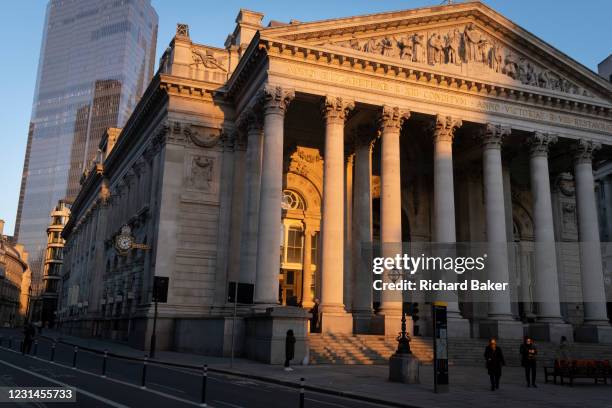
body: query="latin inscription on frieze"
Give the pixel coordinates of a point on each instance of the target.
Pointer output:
(446, 97)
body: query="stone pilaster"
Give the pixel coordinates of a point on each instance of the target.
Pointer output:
(333, 315)
(275, 101)
(252, 120)
(362, 139)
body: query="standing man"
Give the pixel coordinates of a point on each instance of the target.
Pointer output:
(529, 353)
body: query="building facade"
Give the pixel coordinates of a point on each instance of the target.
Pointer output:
(14, 281)
(54, 257)
(280, 160)
(96, 59)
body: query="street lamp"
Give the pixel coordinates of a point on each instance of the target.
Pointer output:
(403, 340)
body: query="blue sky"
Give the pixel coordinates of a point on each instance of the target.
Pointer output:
(580, 29)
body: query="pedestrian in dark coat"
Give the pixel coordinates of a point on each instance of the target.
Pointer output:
(529, 352)
(289, 349)
(28, 336)
(495, 360)
(314, 320)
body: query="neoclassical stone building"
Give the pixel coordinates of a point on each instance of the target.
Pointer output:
(276, 160)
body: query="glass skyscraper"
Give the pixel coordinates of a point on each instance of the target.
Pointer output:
(96, 60)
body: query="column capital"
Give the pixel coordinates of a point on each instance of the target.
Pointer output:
(392, 117)
(251, 119)
(492, 135)
(539, 142)
(584, 149)
(227, 139)
(275, 99)
(444, 128)
(363, 135)
(336, 108)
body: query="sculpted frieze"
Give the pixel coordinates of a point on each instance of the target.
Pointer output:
(463, 50)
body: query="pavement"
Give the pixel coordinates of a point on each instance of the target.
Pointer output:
(246, 383)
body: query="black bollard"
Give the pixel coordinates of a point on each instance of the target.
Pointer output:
(104, 363)
(35, 347)
(53, 352)
(204, 378)
(301, 392)
(144, 373)
(74, 356)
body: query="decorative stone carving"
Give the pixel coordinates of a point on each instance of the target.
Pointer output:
(492, 135)
(584, 149)
(202, 136)
(276, 99)
(565, 184)
(392, 117)
(466, 44)
(201, 176)
(207, 59)
(539, 143)
(444, 128)
(335, 108)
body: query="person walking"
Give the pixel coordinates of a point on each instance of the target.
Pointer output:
(495, 360)
(28, 337)
(289, 349)
(529, 353)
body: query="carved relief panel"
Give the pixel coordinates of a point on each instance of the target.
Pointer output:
(466, 50)
(209, 64)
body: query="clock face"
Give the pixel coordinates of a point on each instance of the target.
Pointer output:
(124, 242)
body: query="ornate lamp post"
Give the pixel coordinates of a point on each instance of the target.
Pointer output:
(403, 340)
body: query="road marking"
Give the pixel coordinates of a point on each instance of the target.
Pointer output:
(82, 391)
(325, 402)
(228, 404)
(163, 394)
(165, 386)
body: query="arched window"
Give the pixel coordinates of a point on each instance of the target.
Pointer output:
(292, 201)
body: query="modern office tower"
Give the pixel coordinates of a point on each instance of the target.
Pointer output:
(96, 60)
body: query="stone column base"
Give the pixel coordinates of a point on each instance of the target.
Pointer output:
(594, 334)
(501, 329)
(336, 322)
(458, 327)
(390, 324)
(362, 323)
(265, 334)
(404, 368)
(548, 331)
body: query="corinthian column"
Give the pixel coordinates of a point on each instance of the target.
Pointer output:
(275, 101)
(391, 121)
(363, 140)
(547, 284)
(500, 314)
(591, 269)
(333, 314)
(444, 208)
(253, 122)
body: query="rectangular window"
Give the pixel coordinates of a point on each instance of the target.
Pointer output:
(294, 245)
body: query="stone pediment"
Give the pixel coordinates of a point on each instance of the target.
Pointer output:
(468, 40)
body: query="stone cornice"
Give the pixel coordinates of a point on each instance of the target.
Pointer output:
(397, 69)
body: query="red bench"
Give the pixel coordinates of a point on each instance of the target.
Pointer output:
(598, 370)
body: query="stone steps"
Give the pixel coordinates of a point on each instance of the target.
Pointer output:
(376, 349)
